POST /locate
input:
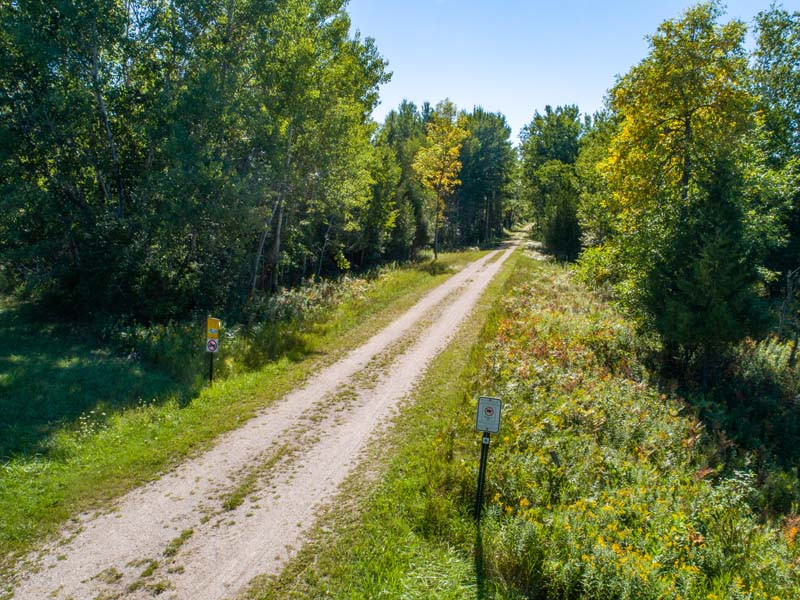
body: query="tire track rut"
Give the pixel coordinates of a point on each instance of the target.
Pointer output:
(178, 538)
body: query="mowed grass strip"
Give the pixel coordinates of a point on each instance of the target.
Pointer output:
(81, 426)
(408, 535)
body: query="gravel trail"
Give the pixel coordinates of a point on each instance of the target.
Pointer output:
(189, 536)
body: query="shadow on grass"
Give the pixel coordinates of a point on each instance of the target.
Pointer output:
(427, 264)
(52, 374)
(433, 268)
(494, 244)
(750, 405)
(49, 378)
(760, 414)
(275, 341)
(480, 575)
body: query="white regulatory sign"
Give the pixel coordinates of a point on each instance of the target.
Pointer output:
(488, 417)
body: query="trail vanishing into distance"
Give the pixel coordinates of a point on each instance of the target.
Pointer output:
(206, 529)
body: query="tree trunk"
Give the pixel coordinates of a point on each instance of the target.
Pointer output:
(262, 240)
(436, 238)
(436, 222)
(275, 253)
(109, 135)
(485, 219)
(324, 247)
(787, 301)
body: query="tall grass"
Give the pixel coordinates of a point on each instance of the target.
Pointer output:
(603, 486)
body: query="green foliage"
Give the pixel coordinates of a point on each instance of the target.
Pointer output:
(277, 323)
(488, 160)
(776, 77)
(150, 151)
(551, 136)
(755, 405)
(596, 211)
(554, 193)
(549, 150)
(438, 162)
(378, 218)
(776, 82)
(688, 207)
(599, 487)
(158, 160)
(404, 132)
(710, 302)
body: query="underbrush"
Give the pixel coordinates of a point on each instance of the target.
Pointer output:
(756, 401)
(284, 324)
(601, 486)
(278, 325)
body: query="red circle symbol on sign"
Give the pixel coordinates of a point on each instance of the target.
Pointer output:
(211, 345)
(488, 411)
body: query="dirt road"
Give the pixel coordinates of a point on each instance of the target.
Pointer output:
(237, 511)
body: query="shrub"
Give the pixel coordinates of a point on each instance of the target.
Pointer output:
(275, 328)
(600, 484)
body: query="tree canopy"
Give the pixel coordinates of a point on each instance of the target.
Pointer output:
(688, 206)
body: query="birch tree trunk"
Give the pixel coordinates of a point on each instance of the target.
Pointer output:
(109, 134)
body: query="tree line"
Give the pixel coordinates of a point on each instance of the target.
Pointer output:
(159, 157)
(682, 197)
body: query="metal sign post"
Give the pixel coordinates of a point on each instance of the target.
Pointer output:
(482, 476)
(212, 343)
(488, 421)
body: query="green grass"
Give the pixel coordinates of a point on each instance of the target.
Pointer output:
(406, 538)
(80, 425)
(50, 379)
(175, 545)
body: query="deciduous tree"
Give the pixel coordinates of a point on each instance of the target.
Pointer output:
(694, 203)
(438, 163)
(549, 150)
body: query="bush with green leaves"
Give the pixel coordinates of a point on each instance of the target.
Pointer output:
(276, 328)
(603, 486)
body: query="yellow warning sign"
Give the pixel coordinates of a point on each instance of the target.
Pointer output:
(212, 328)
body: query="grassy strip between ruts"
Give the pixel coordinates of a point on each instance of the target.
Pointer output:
(111, 446)
(386, 540)
(599, 484)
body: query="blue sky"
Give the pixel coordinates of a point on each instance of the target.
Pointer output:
(514, 56)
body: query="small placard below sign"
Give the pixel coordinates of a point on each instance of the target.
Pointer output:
(488, 417)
